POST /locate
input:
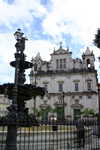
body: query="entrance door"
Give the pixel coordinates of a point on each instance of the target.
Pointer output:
(76, 112)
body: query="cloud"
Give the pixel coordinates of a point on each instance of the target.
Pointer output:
(74, 17)
(20, 12)
(46, 23)
(44, 47)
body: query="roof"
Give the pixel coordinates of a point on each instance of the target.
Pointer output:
(38, 57)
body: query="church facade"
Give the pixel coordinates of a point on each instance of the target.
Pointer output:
(71, 83)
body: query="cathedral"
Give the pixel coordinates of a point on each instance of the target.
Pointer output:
(70, 83)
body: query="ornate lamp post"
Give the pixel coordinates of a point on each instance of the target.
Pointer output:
(13, 116)
(35, 69)
(99, 111)
(63, 117)
(99, 106)
(19, 93)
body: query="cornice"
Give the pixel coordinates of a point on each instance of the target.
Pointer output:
(74, 93)
(68, 72)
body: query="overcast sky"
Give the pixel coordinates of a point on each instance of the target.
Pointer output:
(46, 23)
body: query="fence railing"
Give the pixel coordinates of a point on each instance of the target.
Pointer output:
(52, 135)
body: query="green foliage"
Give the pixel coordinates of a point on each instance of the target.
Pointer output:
(37, 112)
(96, 41)
(49, 109)
(58, 110)
(88, 111)
(42, 111)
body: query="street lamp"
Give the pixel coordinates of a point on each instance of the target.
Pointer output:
(99, 110)
(99, 106)
(18, 114)
(35, 69)
(63, 117)
(13, 115)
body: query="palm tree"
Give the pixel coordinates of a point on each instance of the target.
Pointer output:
(37, 112)
(57, 109)
(88, 112)
(42, 112)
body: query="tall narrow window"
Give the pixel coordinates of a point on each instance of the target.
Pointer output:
(64, 61)
(76, 87)
(89, 86)
(45, 86)
(3, 110)
(35, 67)
(60, 63)
(60, 87)
(57, 63)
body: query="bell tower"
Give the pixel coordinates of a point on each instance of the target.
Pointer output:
(88, 59)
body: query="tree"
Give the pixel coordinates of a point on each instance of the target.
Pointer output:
(88, 112)
(42, 112)
(96, 41)
(57, 109)
(37, 112)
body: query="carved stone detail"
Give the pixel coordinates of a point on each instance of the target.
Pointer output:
(60, 81)
(45, 82)
(76, 80)
(60, 101)
(76, 104)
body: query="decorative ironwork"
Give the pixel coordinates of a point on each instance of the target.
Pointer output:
(19, 92)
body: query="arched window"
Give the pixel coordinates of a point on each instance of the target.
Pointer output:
(88, 63)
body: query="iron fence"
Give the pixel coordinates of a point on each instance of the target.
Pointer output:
(52, 135)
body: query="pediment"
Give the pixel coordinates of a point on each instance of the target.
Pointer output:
(45, 82)
(88, 79)
(76, 80)
(60, 81)
(60, 51)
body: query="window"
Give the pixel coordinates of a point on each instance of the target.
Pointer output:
(35, 67)
(73, 97)
(60, 63)
(6, 110)
(45, 86)
(57, 63)
(76, 87)
(60, 87)
(89, 86)
(3, 110)
(48, 97)
(80, 97)
(89, 97)
(64, 60)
